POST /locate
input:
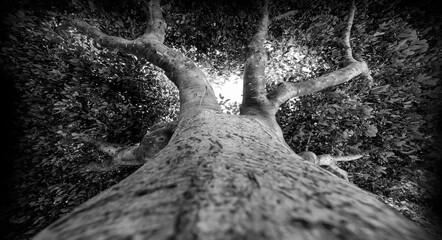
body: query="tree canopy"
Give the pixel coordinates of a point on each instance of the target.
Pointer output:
(67, 86)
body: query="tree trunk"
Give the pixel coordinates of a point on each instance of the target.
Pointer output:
(230, 177)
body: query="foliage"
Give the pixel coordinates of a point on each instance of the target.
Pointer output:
(393, 121)
(70, 87)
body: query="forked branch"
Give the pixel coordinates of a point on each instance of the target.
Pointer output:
(287, 90)
(195, 90)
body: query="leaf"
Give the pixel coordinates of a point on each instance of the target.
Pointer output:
(74, 61)
(335, 106)
(381, 169)
(13, 38)
(435, 93)
(304, 69)
(415, 47)
(378, 34)
(347, 133)
(432, 82)
(18, 220)
(76, 135)
(120, 23)
(422, 77)
(380, 89)
(398, 142)
(371, 130)
(366, 111)
(389, 154)
(408, 52)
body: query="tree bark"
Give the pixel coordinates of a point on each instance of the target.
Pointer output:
(229, 177)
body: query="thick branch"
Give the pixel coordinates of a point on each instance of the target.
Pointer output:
(195, 90)
(150, 49)
(155, 21)
(103, 39)
(254, 92)
(287, 90)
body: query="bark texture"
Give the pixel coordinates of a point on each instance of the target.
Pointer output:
(229, 177)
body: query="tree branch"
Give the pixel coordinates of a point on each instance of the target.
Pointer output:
(144, 47)
(148, 46)
(195, 90)
(155, 21)
(347, 43)
(153, 142)
(329, 160)
(103, 39)
(254, 92)
(347, 33)
(287, 90)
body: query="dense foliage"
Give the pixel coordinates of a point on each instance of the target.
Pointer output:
(66, 87)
